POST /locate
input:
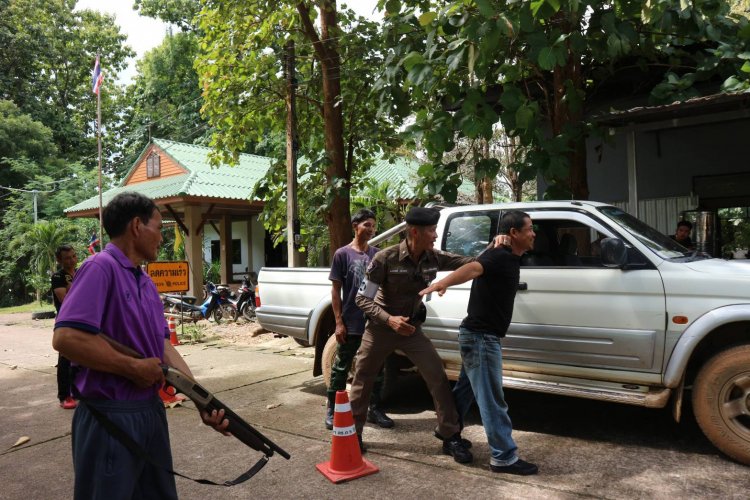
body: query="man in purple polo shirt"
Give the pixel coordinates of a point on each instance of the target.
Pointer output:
(110, 294)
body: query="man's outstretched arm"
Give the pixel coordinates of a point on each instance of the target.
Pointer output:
(461, 275)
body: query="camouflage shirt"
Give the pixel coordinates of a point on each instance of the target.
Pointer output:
(400, 280)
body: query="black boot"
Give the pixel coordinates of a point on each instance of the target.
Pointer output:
(329, 410)
(378, 416)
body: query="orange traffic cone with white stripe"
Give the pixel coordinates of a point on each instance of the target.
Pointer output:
(172, 331)
(346, 459)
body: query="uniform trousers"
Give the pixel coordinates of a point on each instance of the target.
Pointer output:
(377, 343)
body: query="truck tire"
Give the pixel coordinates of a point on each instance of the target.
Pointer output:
(721, 402)
(328, 357)
(390, 374)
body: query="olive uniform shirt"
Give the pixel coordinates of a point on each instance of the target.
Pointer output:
(400, 281)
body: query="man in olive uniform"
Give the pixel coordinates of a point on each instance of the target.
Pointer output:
(389, 297)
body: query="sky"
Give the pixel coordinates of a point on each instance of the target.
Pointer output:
(145, 33)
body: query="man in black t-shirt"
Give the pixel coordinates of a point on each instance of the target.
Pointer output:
(60, 281)
(496, 275)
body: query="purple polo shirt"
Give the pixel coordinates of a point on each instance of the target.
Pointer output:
(111, 296)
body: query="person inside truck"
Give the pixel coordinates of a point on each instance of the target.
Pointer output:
(347, 272)
(496, 275)
(682, 234)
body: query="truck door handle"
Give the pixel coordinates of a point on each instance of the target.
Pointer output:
(523, 286)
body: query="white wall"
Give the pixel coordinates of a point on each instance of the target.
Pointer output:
(252, 253)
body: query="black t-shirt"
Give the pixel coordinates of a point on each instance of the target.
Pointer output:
(492, 294)
(60, 279)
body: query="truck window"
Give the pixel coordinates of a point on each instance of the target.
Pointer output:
(564, 243)
(469, 233)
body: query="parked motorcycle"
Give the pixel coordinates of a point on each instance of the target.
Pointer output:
(193, 312)
(228, 307)
(244, 301)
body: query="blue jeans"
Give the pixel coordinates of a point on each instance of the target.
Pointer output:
(482, 378)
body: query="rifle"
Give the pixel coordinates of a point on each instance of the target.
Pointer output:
(205, 401)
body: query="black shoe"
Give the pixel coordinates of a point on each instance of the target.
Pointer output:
(362, 447)
(378, 416)
(465, 442)
(457, 450)
(329, 418)
(519, 468)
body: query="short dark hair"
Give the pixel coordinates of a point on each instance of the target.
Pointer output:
(362, 215)
(61, 249)
(685, 223)
(125, 207)
(515, 219)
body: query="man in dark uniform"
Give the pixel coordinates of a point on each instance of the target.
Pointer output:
(60, 282)
(389, 297)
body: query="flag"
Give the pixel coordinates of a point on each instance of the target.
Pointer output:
(177, 239)
(93, 242)
(97, 77)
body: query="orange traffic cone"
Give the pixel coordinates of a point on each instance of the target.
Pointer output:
(172, 331)
(346, 460)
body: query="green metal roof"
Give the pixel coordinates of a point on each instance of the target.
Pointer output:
(237, 182)
(229, 182)
(402, 177)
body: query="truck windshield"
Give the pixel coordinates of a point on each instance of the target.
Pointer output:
(663, 246)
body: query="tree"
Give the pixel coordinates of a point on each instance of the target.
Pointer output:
(22, 138)
(241, 72)
(41, 242)
(462, 67)
(164, 100)
(181, 13)
(48, 52)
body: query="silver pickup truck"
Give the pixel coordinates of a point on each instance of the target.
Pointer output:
(639, 325)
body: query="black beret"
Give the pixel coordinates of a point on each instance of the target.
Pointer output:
(419, 216)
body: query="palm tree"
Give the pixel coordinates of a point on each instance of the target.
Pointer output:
(41, 242)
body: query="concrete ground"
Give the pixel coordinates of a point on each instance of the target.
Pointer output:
(583, 448)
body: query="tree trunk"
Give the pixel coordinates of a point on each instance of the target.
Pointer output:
(563, 114)
(326, 49)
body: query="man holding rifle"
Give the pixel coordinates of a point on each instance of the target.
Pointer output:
(111, 294)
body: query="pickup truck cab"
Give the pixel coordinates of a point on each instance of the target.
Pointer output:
(607, 308)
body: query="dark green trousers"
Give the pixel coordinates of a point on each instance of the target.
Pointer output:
(343, 363)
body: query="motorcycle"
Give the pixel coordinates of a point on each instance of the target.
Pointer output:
(228, 307)
(244, 301)
(173, 304)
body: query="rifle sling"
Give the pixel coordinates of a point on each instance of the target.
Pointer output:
(138, 451)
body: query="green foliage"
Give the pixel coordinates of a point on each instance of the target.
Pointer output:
(178, 12)
(212, 272)
(241, 70)
(164, 100)
(462, 69)
(48, 52)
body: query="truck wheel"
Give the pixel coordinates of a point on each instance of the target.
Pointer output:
(721, 402)
(329, 356)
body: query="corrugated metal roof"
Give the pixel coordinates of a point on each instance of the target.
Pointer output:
(715, 103)
(237, 182)
(225, 181)
(402, 177)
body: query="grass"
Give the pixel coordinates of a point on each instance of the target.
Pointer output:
(30, 307)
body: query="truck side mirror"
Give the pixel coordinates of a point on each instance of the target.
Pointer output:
(613, 253)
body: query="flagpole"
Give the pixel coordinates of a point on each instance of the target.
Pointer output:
(99, 144)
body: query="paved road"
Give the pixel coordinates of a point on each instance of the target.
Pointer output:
(584, 449)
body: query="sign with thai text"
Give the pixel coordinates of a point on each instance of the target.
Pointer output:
(169, 276)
